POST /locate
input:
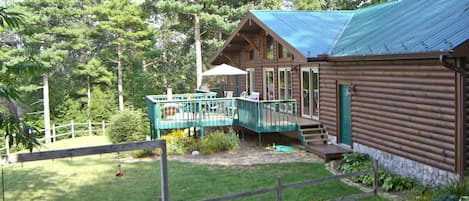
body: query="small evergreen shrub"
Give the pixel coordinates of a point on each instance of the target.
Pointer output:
(127, 126)
(219, 141)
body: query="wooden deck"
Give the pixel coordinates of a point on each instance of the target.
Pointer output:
(328, 151)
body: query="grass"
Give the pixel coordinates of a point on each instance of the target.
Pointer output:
(92, 178)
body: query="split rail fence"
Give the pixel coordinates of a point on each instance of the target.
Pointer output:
(70, 130)
(279, 186)
(85, 151)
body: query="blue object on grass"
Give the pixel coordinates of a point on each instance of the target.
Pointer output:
(282, 148)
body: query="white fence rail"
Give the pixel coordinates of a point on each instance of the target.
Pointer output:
(62, 131)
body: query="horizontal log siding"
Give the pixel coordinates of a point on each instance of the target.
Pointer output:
(407, 110)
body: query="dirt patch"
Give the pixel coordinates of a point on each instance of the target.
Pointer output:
(250, 153)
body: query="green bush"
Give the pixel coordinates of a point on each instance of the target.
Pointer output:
(127, 126)
(397, 183)
(177, 142)
(445, 198)
(142, 153)
(457, 188)
(357, 162)
(219, 141)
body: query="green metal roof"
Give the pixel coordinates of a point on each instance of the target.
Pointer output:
(396, 27)
(405, 26)
(311, 33)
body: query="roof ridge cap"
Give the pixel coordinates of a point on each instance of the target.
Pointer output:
(307, 11)
(340, 35)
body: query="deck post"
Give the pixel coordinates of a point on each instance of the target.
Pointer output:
(260, 139)
(202, 132)
(158, 133)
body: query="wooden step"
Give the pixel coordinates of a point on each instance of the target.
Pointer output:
(311, 130)
(315, 134)
(316, 140)
(328, 151)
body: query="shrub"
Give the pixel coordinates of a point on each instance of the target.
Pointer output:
(177, 142)
(218, 141)
(357, 162)
(142, 153)
(457, 188)
(445, 198)
(397, 183)
(127, 126)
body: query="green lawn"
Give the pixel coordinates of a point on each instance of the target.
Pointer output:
(92, 178)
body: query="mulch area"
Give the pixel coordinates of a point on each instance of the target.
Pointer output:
(250, 153)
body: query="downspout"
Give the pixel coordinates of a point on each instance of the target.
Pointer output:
(458, 67)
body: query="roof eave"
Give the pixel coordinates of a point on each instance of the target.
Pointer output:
(228, 41)
(387, 57)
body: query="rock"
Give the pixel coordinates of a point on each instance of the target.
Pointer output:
(195, 153)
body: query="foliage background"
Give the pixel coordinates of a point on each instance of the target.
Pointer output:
(82, 44)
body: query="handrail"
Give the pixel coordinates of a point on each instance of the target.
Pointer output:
(259, 116)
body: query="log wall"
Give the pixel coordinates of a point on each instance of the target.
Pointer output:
(407, 109)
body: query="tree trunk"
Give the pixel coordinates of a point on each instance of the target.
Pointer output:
(198, 51)
(45, 93)
(119, 79)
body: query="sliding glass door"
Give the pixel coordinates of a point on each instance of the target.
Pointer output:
(310, 92)
(284, 83)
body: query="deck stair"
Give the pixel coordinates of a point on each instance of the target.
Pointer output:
(316, 140)
(313, 134)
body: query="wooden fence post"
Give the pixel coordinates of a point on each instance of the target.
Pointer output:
(73, 129)
(53, 132)
(7, 146)
(278, 189)
(104, 127)
(375, 178)
(164, 173)
(89, 128)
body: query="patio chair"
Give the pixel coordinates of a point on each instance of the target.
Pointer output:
(228, 94)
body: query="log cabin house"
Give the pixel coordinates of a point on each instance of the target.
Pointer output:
(388, 80)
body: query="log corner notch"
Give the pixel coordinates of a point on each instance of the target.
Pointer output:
(457, 64)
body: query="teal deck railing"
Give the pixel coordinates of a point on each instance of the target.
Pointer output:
(204, 110)
(268, 116)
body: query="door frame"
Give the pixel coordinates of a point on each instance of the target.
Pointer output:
(288, 85)
(338, 119)
(250, 80)
(314, 69)
(264, 80)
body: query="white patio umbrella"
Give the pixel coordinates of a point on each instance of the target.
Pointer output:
(225, 69)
